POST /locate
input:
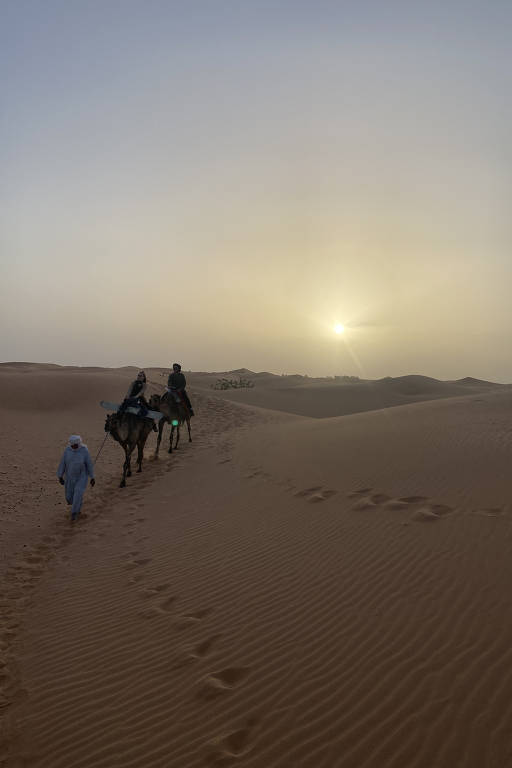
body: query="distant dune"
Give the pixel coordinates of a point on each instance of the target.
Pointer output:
(301, 395)
(48, 388)
(323, 398)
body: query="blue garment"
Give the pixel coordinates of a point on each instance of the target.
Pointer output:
(75, 466)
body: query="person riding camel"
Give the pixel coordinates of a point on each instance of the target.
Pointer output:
(176, 384)
(135, 396)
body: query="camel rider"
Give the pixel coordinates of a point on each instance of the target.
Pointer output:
(74, 469)
(135, 396)
(137, 389)
(176, 384)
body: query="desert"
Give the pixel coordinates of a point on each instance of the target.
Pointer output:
(286, 590)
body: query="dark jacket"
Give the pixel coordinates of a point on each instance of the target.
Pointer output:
(176, 381)
(137, 388)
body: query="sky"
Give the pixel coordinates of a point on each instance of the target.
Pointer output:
(221, 182)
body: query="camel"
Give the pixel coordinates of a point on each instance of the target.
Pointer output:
(175, 414)
(129, 431)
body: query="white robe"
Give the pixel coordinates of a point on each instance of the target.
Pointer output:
(76, 467)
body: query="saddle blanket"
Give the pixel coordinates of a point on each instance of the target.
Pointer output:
(156, 415)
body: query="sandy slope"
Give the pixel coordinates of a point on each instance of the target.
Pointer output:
(322, 398)
(282, 592)
(40, 406)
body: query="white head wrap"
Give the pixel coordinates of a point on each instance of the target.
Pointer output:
(75, 439)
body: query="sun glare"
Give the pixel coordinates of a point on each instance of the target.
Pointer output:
(338, 328)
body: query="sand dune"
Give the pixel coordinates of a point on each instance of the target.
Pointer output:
(283, 592)
(322, 398)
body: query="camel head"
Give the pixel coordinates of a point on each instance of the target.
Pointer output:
(112, 423)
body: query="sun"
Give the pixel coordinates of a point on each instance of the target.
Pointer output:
(339, 328)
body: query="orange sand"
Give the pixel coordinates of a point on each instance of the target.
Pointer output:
(285, 591)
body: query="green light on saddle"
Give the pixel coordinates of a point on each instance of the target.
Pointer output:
(175, 423)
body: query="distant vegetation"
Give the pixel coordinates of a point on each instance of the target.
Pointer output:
(239, 383)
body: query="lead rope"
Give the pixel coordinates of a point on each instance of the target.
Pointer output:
(100, 450)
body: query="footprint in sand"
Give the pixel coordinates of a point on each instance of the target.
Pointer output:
(137, 563)
(431, 513)
(379, 498)
(424, 515)
(364, 504)
(159, 609)
(255, 473)
(192, 619)
(425, 511)
(156, 590)
(197, 615)
(167, 604)
(221, 682)
(148, 593)
(309, 491)
(359, 492)
(197, 653)
(131, 554)
(395, 505)
(316, 494)
(203, 649)
(374, 500)
(223, 750)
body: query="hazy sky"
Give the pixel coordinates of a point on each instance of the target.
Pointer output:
(220, 182)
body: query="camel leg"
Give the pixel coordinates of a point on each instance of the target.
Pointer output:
(140, 454)
(177, 436)
(170, 439)
(126, 466)
(129, 451)
(189, 433)
(159, 438)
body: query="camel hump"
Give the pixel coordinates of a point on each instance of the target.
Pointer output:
(115, 406)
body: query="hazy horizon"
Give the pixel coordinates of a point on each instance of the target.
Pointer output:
(223, 183)
(149, 366)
